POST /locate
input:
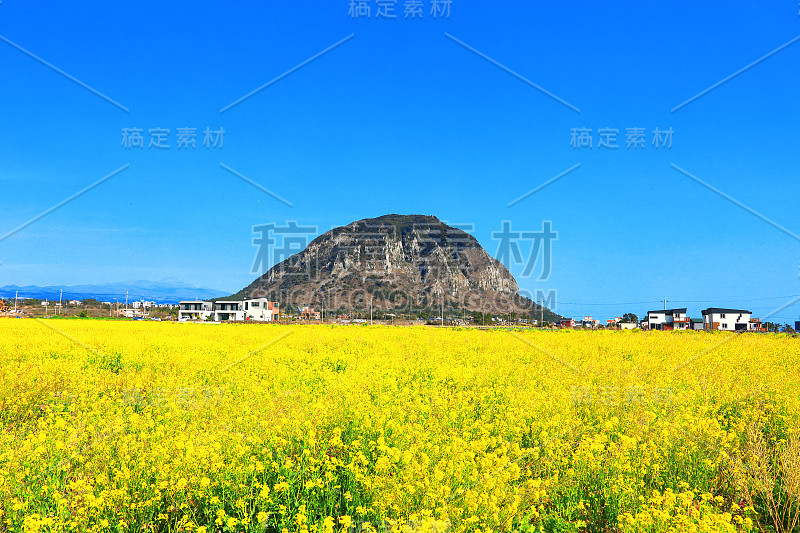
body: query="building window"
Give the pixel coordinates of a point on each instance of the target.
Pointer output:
(255, 304)
(722, 315)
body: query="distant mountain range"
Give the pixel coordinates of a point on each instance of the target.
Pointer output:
(164, 291)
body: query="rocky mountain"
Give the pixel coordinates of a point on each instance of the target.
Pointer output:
(399, 262)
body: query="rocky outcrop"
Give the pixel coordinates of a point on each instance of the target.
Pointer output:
(397, 261)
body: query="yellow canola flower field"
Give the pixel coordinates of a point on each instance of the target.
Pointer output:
(132, 426)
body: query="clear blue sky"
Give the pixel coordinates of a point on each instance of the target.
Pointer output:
(403, 119)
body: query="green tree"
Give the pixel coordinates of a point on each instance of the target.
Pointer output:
(630, 318)
(481, 319)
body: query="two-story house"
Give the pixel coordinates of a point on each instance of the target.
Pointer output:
(727, 319)
(256, 309)
(668, 319)
(195, 310)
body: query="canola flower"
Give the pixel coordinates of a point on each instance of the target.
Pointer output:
(130, 426)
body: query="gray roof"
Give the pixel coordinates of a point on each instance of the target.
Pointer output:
(669, 311)
(717, 310)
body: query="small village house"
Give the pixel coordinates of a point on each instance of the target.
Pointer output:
(255, 309)
(132, 313)
(589, 322)
(727, 319)
(195, 310)
(308, 313)
(668, 319)
(261, 310)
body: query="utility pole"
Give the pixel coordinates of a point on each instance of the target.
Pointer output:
(442, 317)
(15, 301)
(126, 301)
(541, 312)
(370, 309)
(60, 296)
(665, 303)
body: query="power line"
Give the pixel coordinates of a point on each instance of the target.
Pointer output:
(686, 301)
(740, 300)
(618, 303)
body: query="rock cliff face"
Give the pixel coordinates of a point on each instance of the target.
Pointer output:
(402, 262)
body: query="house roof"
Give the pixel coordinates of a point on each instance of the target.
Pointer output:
(717, 310)
(697, 320)
(669, 311)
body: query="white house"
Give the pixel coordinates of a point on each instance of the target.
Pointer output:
(627, 325)
(256, 309)
(589, 322)
(195, 310)
(667, 319)
(228, 311)
(727, 319)
(261, 310)
(132, 313)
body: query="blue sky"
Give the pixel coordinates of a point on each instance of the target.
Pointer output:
(402, 119)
